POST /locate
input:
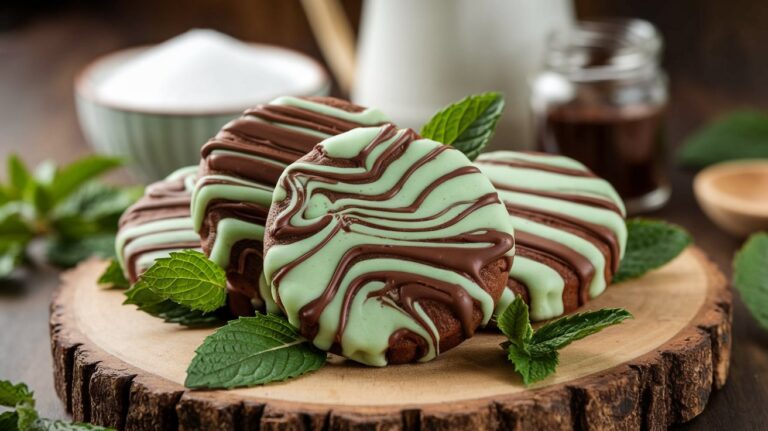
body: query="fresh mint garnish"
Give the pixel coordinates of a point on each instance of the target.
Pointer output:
(67, 252)
(468, 124)
(113, 276)
(169, 311)
(739, 135)
(252, 351)
(650, 244)
(534, 354)
(187, 278)
(63, 205)
(24, 417)
(750, 276)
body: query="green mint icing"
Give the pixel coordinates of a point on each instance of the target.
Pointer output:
(370, 322)
(545, 285)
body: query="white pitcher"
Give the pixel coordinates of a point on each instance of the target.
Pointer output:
(415, 56)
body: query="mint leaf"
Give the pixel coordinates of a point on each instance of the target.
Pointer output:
(11, 256)
(739, 135)
(68, 252)
(56, 425)
(92, 209)
(468, 124)
(750, 276)
(532, 366)
(534, 353)
(9, 421)
(650, 244)
(113, 276)
(252, 351)
(12, 395)
(19, 177)
(169, 311)
(187, 278)
(514, 322)
(561, 332)
(69, 178)
(22, 399)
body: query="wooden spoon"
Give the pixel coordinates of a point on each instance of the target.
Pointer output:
(734, 195)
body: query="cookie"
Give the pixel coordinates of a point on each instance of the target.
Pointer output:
(239, 169)
(569, 229)
(157, 224)
(386, 248)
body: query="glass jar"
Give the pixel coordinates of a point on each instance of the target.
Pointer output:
(601, 99)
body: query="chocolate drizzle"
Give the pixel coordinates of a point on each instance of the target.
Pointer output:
(560, 253)
(401, 289)
(164, 200)
(256, 148)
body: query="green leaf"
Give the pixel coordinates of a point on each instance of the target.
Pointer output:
(468, 125)
(9, 421)
(12, 395)
(252, 351)
(57, 425)
(66, 252)
(532, 366)
(11, 256)
(69, 178)
(559, 333)
(514, 322)
(534, 353)
(739, 135)
(113, 276)
(22, 399)
(169, 311)
(650, 245)
(750, 276)
(19, 177)
(187, 278)
(93, 208)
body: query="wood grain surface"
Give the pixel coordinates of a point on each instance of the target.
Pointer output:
(714, 54)
(654, 370)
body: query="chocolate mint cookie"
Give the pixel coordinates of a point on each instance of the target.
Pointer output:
(157, 224)
(240, 167)
(386, 248)
(569, 229)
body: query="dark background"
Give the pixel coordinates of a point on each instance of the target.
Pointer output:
(715, 55)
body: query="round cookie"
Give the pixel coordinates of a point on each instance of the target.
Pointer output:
(569, 229)
(240, 167)
(157, 224)
(386, 248)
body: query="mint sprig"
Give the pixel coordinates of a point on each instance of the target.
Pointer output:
(24, 417)
(750, 276)
(739, 135)
(113, 276)
(64, 205)
(187, 278)
(468, 124)
(252, 351)
(650, 245)
(534, 354)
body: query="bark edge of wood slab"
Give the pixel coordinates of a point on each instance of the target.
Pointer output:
(669, 384)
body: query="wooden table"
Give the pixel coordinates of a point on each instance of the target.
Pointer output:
(37, 120)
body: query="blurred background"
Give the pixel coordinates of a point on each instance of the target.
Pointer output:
(713, 55)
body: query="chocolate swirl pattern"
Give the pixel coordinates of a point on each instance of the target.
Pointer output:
(569, 227)
(157, 224)
(381, 245)
(240, 167)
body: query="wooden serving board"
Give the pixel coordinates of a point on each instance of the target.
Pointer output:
(117, 366)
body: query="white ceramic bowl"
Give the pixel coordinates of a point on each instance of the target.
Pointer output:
(156, 142)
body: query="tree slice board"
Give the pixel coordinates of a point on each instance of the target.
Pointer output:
(119, 367)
